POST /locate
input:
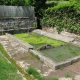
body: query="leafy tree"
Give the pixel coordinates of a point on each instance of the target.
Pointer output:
(38, 6)
(13, 2)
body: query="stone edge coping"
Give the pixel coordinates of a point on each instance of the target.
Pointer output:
(17, 17)
(22, 43)
(53, 36)
(68, 62)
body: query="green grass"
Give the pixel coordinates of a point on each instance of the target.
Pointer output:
(9, 71)
(67, 75)
(54, 78)
(34, 72)
(36, 56)
(38, 40)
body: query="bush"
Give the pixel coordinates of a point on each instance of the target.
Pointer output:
(63, 16)
(36, 74)
(54, 78)
(35, 25)
(36, 56)
(67, 75)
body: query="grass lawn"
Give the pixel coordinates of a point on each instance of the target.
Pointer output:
(38, 40)
(7, 70)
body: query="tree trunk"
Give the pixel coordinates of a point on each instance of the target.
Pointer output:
(38, 24)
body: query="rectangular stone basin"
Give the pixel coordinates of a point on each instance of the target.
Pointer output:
(56, 57)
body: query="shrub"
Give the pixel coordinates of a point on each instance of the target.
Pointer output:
(35, 25)
(67, 75)
(36, 74)
(5, 28)
(36, 56)
(63, 15)
(54, 78)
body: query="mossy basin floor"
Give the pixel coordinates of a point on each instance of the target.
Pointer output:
(61, 51)
(37, 40)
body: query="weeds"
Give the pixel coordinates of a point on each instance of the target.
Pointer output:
(36, 74)
(55, 78)
(36, 56)
(67, 75)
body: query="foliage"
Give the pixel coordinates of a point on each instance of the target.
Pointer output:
(13, 2)
(77, 4)
(67, 75)
(5, 28)
(54, 78)
(7, 70)
(38, 7)
(36, 56)
(36, 74)
(64, 15)
(37, 3)
(35, 25)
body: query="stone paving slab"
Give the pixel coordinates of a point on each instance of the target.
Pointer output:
(54, 36)
(77, 77)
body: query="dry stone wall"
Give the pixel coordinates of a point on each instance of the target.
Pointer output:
(16, 17)
(16, 23)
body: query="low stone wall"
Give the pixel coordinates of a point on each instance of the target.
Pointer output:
(45, 59)
(7, 24)
(22, 43)
(67, 62)
(54, 36)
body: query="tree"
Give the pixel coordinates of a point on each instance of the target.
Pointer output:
(38, 7)
(13, 2)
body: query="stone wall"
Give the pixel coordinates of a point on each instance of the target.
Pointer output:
(16, 11)
(22, 43)
(16, 23)
(16, 17)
